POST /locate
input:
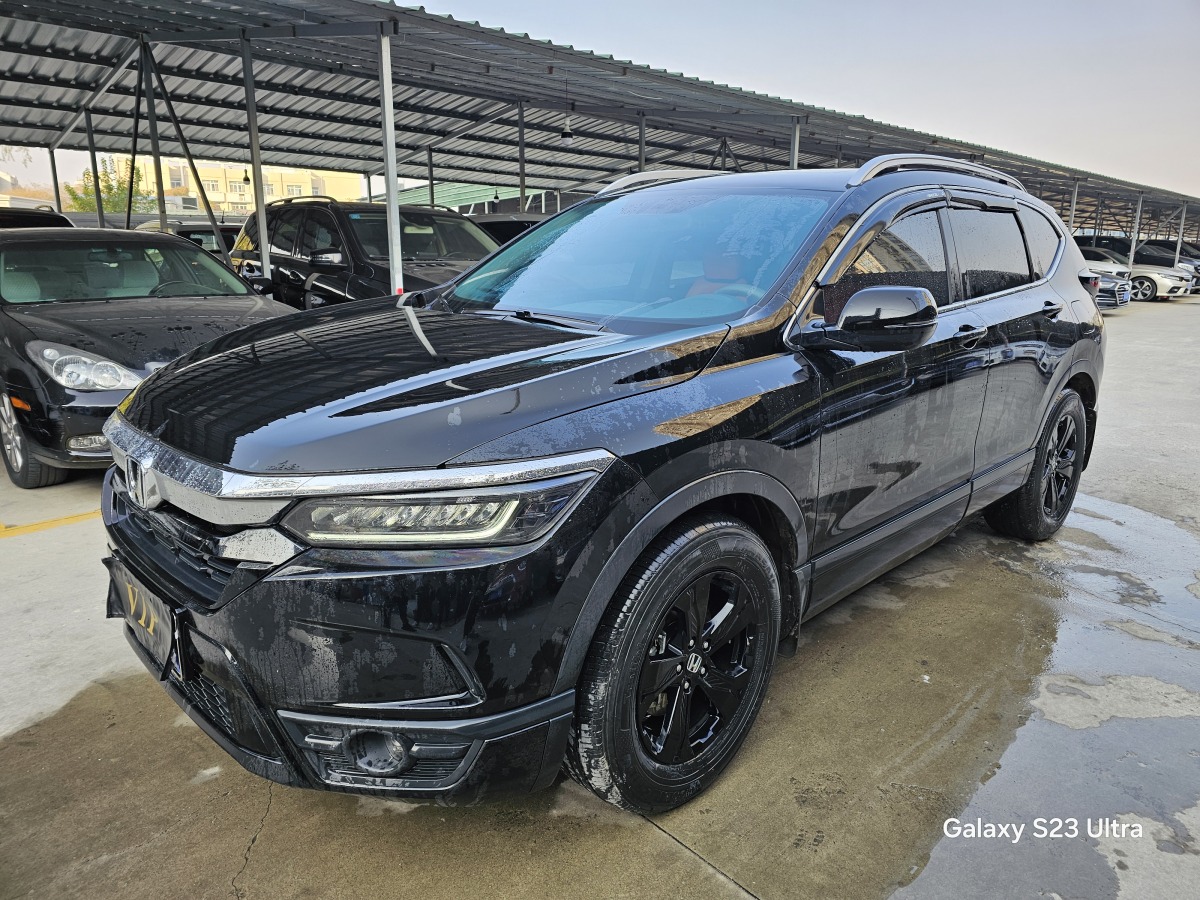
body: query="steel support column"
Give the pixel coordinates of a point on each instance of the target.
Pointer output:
(260, 204)
(137, 125)
(1074, 200)
(429, 173)
(1136, 230)
(155, 151)
(91, 141)
(1179, 237)
(187, 154)
(795, 152)
(370, 193)
(54, 178)
(390, 176)
(521, 152)
(641, 142)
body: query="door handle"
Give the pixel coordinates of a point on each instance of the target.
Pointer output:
(969, 335)
(1050, 309)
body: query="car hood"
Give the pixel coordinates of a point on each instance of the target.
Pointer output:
(1147, 269)
(142, 334)
(1108, 268)
(358, 387)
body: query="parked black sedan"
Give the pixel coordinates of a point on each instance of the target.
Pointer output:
(85, 314)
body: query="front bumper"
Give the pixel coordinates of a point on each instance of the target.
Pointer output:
(455, 652)
(49, 437)
(459, 761)
(50, 423)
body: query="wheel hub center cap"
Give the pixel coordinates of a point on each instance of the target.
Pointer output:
(693, 663)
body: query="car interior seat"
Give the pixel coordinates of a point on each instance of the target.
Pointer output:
(720, 270)
(139, 277)
(20, 287)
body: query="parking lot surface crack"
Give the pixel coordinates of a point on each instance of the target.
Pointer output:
(720, 874)
(233, 882)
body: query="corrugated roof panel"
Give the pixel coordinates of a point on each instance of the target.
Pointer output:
(318, 97)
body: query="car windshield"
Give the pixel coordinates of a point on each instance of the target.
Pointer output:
(111, 268)
(423, 236)
(683, 254)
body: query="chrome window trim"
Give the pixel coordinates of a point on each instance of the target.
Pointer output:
(223, 496)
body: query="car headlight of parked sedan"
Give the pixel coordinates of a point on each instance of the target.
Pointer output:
(80, 370)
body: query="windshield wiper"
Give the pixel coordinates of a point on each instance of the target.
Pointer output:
(539, 318)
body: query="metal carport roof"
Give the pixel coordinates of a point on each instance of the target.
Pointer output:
(457, 90)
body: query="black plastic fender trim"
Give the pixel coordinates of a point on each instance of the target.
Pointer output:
(688, 497)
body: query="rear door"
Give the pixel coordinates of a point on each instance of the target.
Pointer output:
(1030, 327)
(899, 428)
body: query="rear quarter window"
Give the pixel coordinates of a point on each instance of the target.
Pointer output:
(1042, 239)
(991, 251)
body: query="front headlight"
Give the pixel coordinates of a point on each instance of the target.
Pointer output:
(80, 370)
(500, 516)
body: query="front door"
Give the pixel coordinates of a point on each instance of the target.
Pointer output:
(898, 428)
(320, 285)
(285, 227)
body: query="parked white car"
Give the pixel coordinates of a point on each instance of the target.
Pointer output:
(1149, 282)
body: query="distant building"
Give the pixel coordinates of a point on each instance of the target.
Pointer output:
(228, 189)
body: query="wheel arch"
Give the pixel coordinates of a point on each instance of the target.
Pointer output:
(759, 500)
(1085, 386)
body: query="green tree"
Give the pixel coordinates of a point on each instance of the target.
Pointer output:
(114, 189)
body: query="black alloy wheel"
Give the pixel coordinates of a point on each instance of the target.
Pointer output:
(678, 666)
(1037, 509)
(697, 669)
(1058, 472)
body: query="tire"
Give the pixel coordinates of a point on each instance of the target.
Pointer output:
(1037, 509)
(650, 668)
(23, 470)
(1143, 289)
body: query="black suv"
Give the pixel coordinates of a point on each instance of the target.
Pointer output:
(570, 506)
(38, 217)
(325, 251)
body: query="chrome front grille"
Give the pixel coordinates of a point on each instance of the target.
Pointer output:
(173, 543)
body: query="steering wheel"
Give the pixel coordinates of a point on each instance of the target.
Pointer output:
(157, 290)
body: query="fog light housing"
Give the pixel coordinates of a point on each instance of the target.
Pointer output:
(88, 443)
(381, 754)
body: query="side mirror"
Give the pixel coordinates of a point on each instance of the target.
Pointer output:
(327, 259)
(881, 319)
(262, 285)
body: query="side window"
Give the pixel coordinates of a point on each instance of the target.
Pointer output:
(247, 239)
(991, 252)
(283, 232)
(319, 233)
(1042, 238)
(910, 253)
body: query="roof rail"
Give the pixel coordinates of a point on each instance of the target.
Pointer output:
(657, 175)
(304, 197)
(898, 162)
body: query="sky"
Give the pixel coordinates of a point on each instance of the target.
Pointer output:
(1110, 87)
